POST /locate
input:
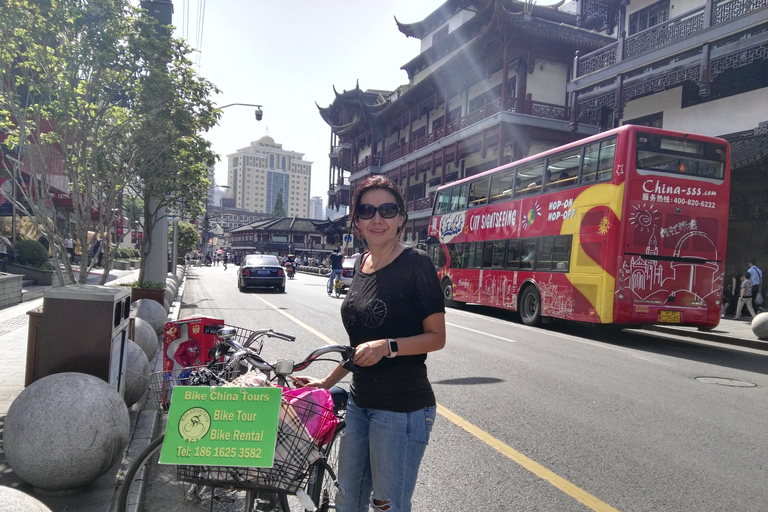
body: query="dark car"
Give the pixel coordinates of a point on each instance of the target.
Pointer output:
(262, 271)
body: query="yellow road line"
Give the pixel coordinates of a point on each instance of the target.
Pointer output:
(529, 464)
(295, 320)
(534, 467)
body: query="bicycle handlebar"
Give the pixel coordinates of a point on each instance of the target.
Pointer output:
(227, 335)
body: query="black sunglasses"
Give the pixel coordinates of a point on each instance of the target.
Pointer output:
(386, 210)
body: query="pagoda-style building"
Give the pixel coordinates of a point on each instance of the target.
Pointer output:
(498, 80)
(488, 87)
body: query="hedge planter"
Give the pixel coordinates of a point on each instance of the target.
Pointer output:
(41, 277)
(124, 264)
(158, 295)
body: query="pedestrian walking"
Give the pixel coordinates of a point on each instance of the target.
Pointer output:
(69, 245)
(745, 296)
(757, 283)
(6, 247)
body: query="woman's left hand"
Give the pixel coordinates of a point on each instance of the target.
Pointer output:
(370, 352)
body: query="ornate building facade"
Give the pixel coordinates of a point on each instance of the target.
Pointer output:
(497, 80)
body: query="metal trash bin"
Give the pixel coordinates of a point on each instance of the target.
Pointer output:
(83, 328)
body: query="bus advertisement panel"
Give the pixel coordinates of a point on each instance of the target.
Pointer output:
(583, 233)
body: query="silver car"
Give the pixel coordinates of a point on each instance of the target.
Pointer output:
(261, 271)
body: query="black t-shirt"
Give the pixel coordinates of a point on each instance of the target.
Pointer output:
(336, 260)
(392, 303)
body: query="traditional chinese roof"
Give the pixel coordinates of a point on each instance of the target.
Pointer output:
(353, 107)
(438, 17)
(529, 25)
(748, 148)
(296, 224)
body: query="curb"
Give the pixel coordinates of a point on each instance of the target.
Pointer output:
(710, 336)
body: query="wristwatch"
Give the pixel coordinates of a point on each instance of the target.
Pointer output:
(392, 347)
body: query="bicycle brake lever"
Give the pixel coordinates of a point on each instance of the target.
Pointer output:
(349, 365)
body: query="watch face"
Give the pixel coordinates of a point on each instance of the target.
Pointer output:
(393, 346)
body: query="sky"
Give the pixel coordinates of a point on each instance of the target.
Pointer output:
(287, 55)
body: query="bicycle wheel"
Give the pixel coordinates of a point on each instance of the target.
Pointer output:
(153, 487)
(322, 482)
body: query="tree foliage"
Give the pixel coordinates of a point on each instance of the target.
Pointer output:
(188, 237)
(93, 102)
(278, 209)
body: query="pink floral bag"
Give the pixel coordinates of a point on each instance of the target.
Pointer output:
(314, 406)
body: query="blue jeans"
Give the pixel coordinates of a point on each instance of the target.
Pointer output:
(331, 275)
(379, 457)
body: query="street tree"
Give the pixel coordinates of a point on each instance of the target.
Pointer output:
(278, 209)
(188, 237)
(80, 82)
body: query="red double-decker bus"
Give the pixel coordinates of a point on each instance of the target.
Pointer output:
(626, 227)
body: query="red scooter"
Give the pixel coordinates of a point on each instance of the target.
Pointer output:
(289, 269)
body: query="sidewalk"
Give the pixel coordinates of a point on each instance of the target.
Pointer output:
(730, 331)
(14, 322)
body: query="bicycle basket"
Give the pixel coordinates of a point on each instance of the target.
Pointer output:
(161, 384)
(295, 451)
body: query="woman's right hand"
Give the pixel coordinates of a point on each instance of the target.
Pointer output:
(302, 381)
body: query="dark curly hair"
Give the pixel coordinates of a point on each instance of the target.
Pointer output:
(374, 182)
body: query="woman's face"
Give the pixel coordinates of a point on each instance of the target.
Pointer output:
(378, 230)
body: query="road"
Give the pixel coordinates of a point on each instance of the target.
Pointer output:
(564, 418)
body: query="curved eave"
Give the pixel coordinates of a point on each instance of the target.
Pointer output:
(439, 16)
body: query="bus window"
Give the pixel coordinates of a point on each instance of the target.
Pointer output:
(454, 254)
(499, 252)
(471, 249)
(513, 255)
(528, 253)
(598, 161)
(443, 201)
(488, 254)
(529, 177)
(563, 169)
(459, 198)
(680, 156)
(544, 254)
(591, 159)
(478, 192)
(607, 156)
(502, 185)
(561, 253)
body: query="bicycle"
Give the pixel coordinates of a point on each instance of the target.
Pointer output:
(148, 483)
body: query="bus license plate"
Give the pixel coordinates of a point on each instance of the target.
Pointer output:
(670, 317)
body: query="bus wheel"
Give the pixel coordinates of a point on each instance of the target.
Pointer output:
(448, 293)
(530, 306)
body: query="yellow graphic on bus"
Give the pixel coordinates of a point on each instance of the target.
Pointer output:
(590, 277)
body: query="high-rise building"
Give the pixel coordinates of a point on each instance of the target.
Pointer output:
(263, 174)
(316, 207)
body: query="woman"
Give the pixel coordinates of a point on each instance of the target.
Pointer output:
(394, 314)
(745, 296)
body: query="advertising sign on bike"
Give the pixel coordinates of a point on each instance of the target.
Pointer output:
(222, 426)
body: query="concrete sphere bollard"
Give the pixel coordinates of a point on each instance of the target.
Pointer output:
(145, 337)
(170, 284)
(169, 295)
(137, 373)
(65, 430)
(153, 312)
(13, 500)
(760, 326)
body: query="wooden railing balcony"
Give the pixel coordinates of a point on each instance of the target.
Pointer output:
(424, 203)
(713, 13)
(516, 105)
